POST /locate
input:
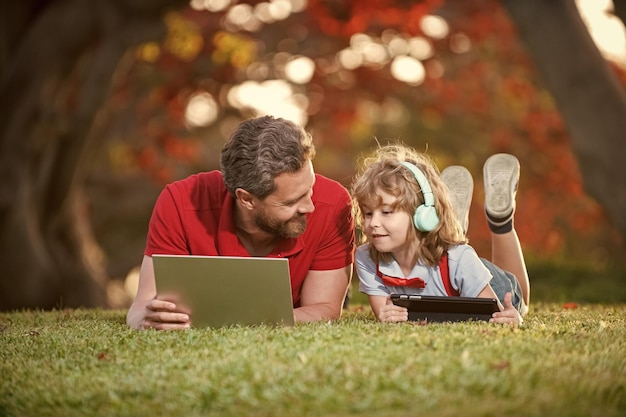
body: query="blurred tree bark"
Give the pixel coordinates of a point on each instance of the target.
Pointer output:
(58, 59)
(587, 92)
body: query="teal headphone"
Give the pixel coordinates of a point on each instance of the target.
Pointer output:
(425, 218)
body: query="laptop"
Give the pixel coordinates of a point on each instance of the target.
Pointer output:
(223, 291)
(445, 309)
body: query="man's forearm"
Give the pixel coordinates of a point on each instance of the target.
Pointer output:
(135, 316)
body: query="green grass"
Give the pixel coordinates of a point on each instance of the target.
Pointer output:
(563, 362)
(554, 282)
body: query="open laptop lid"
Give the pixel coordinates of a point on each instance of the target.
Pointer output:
(442, 309)
(224, 291)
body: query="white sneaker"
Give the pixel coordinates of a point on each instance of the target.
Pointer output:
(461, 186)
(501, 176)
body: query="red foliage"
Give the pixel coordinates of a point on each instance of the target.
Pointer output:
(487, 100)
(345, 18)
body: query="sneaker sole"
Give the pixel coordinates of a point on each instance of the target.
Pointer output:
(501, 176)
(461, 186)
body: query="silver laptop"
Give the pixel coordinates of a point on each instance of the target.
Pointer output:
(226, 291)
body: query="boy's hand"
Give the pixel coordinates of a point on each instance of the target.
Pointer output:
(509, 315)
(391, 313)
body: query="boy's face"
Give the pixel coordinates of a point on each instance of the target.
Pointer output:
(386, 226)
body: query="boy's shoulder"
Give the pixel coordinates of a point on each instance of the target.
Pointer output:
(457, 251)
(362, 252)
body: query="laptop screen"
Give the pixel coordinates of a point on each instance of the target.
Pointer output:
(226, 291)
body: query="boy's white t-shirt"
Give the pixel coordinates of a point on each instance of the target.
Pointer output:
(467, 272)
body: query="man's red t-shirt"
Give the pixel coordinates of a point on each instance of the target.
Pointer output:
(194, 216)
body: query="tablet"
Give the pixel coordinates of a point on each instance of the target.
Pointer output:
(444, 309)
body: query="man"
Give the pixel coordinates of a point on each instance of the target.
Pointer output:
(266, 201)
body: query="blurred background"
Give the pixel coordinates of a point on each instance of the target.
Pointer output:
(104, 102)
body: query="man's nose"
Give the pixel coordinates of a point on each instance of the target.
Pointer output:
(307, 206)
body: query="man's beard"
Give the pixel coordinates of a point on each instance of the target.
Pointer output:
(291, 228)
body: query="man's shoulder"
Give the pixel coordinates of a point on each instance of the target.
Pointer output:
(200, 189)
(329, 190)
(200, 179)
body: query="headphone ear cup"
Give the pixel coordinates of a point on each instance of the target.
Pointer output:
(425, 218)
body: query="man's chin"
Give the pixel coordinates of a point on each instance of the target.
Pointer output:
(295, 228)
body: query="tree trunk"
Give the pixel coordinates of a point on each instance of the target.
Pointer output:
(58, 78)
(587, 93)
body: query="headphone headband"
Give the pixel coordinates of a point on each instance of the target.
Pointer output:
(429, 198)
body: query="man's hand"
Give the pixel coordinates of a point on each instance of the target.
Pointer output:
(165, 315)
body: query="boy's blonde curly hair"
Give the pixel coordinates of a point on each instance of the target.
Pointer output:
(383, 170)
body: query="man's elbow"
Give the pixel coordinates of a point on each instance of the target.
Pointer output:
(317, 312)
(331, 312)
(335, 312)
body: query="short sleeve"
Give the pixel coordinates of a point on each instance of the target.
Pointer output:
(467, 272)
(369, 283)
(165, 230)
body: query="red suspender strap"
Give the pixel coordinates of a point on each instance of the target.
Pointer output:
(418, 282)
(400, 282)
(445, 276)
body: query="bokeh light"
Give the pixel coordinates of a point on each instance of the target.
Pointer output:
(606, 29)
(434, 26)
(420, 48)
(275, 97)
(202, 110)
(300, 70)
(408, 69)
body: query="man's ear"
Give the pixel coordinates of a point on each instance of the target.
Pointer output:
(246, 199)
